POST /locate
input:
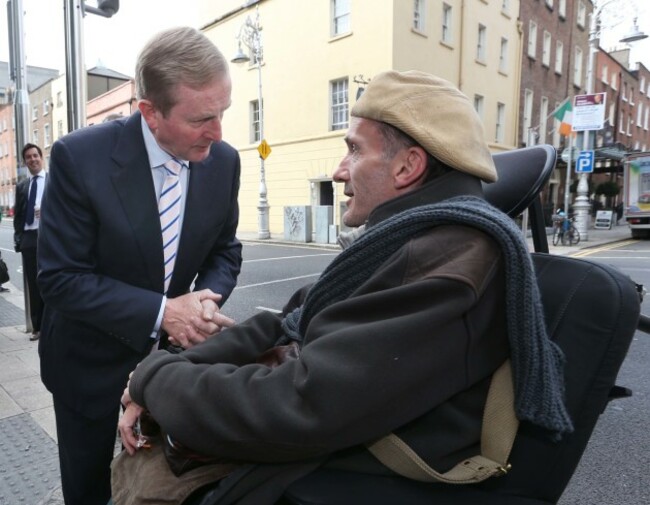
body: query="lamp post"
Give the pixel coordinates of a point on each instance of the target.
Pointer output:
(74, 11)
(250, 35)
(581, 205)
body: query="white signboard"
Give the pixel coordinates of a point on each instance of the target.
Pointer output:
(588, 112)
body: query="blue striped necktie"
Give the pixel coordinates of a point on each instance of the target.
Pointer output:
(169, 209)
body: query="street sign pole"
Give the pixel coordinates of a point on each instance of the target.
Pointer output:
(567, 181)
(588, 116)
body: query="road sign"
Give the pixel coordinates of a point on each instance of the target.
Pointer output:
(264, 149)
(566, 152)
(585, 162)
(588, 112)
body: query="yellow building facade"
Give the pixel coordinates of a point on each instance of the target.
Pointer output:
(316, 56)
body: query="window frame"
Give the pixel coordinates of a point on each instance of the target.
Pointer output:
(446, 35)
(339, 108)
(531, 50)
(481, 43)
(338, 15)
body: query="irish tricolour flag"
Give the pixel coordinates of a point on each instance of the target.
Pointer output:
(563, 114)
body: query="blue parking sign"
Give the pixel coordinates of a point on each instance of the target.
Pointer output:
(585, 162)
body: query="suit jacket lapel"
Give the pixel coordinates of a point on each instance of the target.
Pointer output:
(133, 183)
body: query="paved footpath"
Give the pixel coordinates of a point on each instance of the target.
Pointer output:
(29, 473)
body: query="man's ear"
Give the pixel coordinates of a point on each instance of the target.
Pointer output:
(412, 167)
(149, 113)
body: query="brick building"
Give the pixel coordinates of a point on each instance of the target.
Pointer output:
(554, 67)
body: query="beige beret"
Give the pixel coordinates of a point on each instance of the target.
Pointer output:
(435, 113)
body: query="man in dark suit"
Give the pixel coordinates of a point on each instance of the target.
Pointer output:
(29, 193)
(115, 282)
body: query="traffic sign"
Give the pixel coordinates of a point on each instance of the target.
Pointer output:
(573, 152)
(585, 162)
(264, 149)
(588, 112)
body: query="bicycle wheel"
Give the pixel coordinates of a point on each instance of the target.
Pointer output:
(574, 236)
(556, 235)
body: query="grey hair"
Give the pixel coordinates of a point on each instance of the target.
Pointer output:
(175, 56)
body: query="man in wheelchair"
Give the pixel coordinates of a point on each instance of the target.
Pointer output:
(401, 334)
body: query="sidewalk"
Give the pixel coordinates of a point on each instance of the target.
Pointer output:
(29, 472)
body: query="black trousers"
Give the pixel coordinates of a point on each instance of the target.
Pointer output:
(86, 449)
(28, 252)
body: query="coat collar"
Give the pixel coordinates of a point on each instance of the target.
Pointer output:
(447, 186)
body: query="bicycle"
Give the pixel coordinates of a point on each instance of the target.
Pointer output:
(564, 231)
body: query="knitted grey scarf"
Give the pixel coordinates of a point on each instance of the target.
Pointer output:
(537, 362)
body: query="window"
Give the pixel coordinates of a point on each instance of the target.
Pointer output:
(546, 49)
(503, 56)
(614, 84)
(646, 120)
(480, 45)
(418, 15)
(559, 56)
(505, 6)
(446, 23)
(577, 67)
(59, 128)
(641, 87)
(528, 114)
(35, 137)
(612, 111)
(34, 113)
(582, 14)
(532, 39)
(478, 105)
(561, 8)
(46, 107)
(549, 4)
(639, 115)
(631, 95)
(499, 133)
(47, 138)
(59, 99)
(604, 74)
(339, 101)
(629, 122)
(621, 128)
(624, 92)
(543, 116)
(340, 17)
(556, 127)
(256, 134)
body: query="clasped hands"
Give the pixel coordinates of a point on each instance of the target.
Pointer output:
(191, 318)
(188, 320)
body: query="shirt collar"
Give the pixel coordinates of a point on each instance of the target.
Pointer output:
(157, 155)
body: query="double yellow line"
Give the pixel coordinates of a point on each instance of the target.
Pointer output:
(606, 247)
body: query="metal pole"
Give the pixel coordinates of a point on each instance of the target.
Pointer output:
(74, 64)
(21, 106)
(567, 181)
(263, 207)
(19, 76)
(581, 205)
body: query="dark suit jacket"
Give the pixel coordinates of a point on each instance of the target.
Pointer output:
(101, 260)
(20, 209)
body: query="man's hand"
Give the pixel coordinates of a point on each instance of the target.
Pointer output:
(126, 424)
(191, 318)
